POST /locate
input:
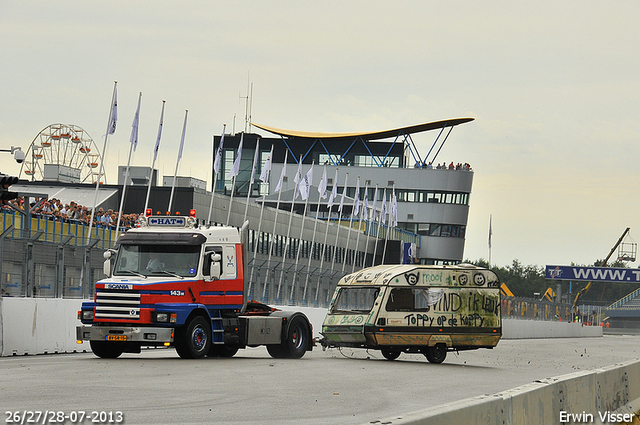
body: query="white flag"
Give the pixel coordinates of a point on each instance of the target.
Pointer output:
(305, 184)
(235, 169)
(134, 126)
(374, 213)
(216, 162)
(184, 131)
(255, 164)
(113, 117)
(322, 187)
(383, 216)
(296, 180)
(283, 173)
(266, 167)
(334, 191)
(393, 220)
(356, 201)
(365, 205)
(157, 147)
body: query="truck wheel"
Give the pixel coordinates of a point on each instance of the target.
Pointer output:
(277, 351)
(218, 350)
(390, 354)
(295, 341)
(106, 350)
(194, 340)
(436, 354)
(297, 338)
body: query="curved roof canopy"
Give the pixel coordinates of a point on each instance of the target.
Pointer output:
(375, 135)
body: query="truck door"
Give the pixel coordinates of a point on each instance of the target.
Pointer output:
(226, 269)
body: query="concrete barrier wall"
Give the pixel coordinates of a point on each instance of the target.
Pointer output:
(533, 329)
(598, 396)
(47, 325)
(39, 325)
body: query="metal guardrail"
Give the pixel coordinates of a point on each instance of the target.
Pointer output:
(55, 231)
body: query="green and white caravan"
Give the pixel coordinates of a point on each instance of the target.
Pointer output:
(415, 309)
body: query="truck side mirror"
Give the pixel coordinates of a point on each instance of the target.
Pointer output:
(212, 265)
(106, 266)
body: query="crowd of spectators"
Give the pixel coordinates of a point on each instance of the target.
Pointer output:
(459, 166)
(54, 210)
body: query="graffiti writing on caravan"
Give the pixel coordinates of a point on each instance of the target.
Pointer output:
(452, 302)
(470, 320)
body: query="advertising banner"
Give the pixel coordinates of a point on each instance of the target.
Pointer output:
(593, 274)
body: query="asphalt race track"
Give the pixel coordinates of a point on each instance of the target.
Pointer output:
(324, 387)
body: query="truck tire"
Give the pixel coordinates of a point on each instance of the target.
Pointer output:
(436, 354)
(295, 340)
(194, 339)
(390, 354)
(106, 350)
(277, 351)
(219, 350)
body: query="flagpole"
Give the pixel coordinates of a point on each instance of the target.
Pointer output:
(267, 174)
(356, 200)
(253, 173)
(322, 193)
(111, 128)
(326, 231)
(386, 239)
(288, 240)
(216, 168)
(275, 222)
(175, 174)
(373, 220)
(134, 144)
(234, 170)
(490, 233)
(155, 156)
(375, 250)
(344, 191)
(365, 207)
(304, 215)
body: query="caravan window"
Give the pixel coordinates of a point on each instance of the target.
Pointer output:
(355, 300)
(413, 299)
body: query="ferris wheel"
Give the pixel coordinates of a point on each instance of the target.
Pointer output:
(63, 145)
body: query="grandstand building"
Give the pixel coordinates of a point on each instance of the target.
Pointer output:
(432, 203)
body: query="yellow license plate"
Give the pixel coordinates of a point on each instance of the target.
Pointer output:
(116, 337)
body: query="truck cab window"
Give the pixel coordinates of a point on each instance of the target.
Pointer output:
(149, 260)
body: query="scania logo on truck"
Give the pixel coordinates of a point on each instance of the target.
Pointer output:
(117, 286)
(168, 221)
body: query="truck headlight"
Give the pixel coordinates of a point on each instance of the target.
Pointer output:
(87, 314)
(166, 317)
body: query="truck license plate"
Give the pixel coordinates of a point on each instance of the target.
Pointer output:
(116, 337)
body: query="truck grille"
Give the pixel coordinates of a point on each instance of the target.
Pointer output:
(116, 304)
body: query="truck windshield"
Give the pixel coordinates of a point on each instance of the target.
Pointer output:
(355, 300)
(157, 260)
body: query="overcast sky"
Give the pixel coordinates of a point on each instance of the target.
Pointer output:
(553, 87)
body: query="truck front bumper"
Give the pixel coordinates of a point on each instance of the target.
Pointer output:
(151, 335)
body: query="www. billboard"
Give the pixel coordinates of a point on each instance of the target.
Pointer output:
(594, 274)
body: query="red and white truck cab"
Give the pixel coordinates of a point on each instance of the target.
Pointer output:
(173, 283)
